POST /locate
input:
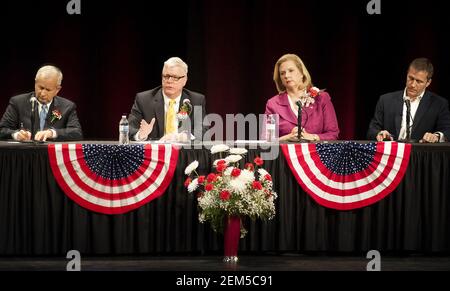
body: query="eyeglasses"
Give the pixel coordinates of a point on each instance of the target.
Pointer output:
(175, 78)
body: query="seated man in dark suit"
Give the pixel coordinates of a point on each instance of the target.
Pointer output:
(154, 112)
(41, 115)
(429, 113)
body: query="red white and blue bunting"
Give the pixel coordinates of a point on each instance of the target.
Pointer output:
(112, 179)
(348, 175)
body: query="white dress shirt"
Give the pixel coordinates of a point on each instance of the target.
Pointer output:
(414, 106)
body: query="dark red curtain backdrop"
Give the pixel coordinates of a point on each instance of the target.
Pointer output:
(115, 49)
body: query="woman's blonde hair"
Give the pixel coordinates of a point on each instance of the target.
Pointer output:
(300, 65)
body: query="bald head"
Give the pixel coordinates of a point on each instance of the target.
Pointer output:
(50, 72)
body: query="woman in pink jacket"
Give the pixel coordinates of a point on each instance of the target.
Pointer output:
(294, 84)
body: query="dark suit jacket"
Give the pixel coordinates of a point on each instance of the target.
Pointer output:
(149, 104)
(19, 111)
(432, 115)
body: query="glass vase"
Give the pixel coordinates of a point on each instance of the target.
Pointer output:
(231, 235)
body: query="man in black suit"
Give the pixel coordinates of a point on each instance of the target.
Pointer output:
(41, 115)
(154, 112)
(429, 113)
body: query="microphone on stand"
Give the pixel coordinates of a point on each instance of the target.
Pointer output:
(33, 101)
(299, 119)
(408, 119)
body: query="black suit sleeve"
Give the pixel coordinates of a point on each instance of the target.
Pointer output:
(199, 128)
(9, 122)
(71, 130)
(443, 122)
(135, 117)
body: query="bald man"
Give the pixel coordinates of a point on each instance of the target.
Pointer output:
(41, 115)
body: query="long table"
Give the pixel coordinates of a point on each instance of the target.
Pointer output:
(37, 218)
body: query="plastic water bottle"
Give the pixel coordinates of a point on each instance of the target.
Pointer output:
(270, 128)
(124, 130)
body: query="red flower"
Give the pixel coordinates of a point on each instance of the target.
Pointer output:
(268, 177)
(209, 187)
(257, 185)
(313, 92)
(249, 166)
(268, 193)
(221, 167)
(221, 162)
(187, 182)
(201, 179)
(55, 115)
(211, 178)
(258, 161)
(224, 195)
(235, 172)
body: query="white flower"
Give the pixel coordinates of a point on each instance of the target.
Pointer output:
(227, 171)
(233, 158)
(237, 185)
(262, 173)
(193, 186)
(238, 151)
(181, 116)
(192, 166)
(246, 176)
(219, 148)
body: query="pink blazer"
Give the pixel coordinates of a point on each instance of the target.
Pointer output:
(319, 118)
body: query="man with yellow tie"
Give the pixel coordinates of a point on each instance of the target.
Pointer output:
(154, 112)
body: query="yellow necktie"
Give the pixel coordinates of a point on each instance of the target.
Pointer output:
(170, 117)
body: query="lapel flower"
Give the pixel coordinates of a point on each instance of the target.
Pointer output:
(185, 110)
(309, 96)
(56, 115)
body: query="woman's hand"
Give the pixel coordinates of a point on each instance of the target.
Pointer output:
(292, 136)
(309, 136)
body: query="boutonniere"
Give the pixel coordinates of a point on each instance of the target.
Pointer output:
(56, 115)
(309, 96)
(185, 110)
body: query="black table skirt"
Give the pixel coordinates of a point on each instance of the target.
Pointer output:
(37, 218)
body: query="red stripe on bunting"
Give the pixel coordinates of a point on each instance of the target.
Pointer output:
(74, 185)
(334, 194)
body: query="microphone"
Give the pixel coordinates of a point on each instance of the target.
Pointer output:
(33, 101)
(408, 118)
(299, 119)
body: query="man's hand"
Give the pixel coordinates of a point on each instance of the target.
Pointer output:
(43, 135)
(145, 129)
(384, 134)
(430, 137)
(23, 135)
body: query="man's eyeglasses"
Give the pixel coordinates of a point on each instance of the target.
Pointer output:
(174, 78)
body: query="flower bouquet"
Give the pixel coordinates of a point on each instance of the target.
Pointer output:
(231, 192)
